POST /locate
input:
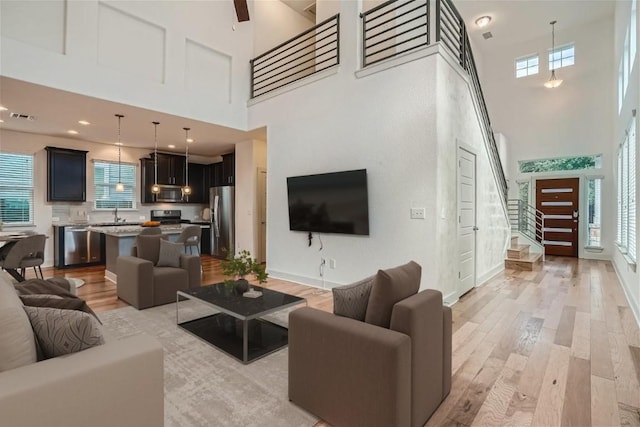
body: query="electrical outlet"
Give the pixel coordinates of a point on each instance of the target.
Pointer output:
(55, 219)
(418, 213)
(141, 217)
(332, 263)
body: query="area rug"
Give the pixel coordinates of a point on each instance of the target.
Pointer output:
(205, 387)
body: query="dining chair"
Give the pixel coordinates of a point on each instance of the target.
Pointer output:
(26, 252)
(149, 231)
(190, 237)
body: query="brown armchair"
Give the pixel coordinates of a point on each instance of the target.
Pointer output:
(352, 373)
(143, 283)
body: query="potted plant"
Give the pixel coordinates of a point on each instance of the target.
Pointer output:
(240, 266)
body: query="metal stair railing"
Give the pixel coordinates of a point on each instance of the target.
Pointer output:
(527, 220)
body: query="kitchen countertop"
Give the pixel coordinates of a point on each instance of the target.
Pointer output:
(126, 230)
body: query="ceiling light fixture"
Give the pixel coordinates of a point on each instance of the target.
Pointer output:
(171, 146)
(3, 108)
(553, 81)
(119, 184)
(190, 140)
(72, 132)
(483, 21)
(84, 122)
(186, 190)
(155, 188)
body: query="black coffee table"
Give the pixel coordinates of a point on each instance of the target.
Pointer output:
(238, 328)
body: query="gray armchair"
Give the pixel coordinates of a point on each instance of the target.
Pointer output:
(352, 373)
(143, 284)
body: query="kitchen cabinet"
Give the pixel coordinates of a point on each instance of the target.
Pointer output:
(147, 178)
(216, 175)
(228, 169)
(66, 175)
(170, 169)
(199, 189)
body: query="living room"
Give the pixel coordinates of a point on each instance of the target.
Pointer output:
(400, 136)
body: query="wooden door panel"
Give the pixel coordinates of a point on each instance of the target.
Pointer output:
(558, 199)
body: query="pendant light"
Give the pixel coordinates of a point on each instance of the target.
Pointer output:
(553, 82)
(186, 190)
(119, 185)
(155, 188)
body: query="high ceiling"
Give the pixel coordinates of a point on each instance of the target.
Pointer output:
(517, 21)
(58, 111)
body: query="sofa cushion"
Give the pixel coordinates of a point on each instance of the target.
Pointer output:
(169, 255)
(17, 343)
(62, 332)
(389, 287)
(351, 300)
(149, 247)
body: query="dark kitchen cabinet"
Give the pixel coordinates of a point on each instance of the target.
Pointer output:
(197, 182)
(216, 174)
(147, 173)
(229, 169)
(170, 169)
(66, 175)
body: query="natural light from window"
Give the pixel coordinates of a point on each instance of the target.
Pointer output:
(105, 178)
(527, 66)
(16, 189)
(563, 56)
(594, 212)
(561, 164)
(626, 189)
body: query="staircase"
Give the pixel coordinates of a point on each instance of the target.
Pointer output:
(519, 257)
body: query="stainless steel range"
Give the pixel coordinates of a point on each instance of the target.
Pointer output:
(171, 216)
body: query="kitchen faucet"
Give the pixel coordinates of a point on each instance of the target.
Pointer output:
(115, 216)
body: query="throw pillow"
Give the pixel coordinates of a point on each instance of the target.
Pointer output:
(52, 286)
(351, 300)
(62, 332)
(169, 255)
(56, 301)
(389, 287)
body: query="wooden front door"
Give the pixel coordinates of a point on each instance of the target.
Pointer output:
(559, 202)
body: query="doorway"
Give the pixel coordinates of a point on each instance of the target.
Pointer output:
(466, 220)
(558, 200)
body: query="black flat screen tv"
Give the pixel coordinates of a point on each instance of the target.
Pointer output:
(329, 203)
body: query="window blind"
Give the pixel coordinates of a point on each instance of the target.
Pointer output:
(105, 178)
(16, 188)
(631, 212)
(619, 194)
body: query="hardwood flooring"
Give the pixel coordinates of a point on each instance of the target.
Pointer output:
(554, 346)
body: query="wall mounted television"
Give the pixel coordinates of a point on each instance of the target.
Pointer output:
(335, 202)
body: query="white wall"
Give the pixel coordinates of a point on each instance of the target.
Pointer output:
(572, 120)
(181, 58)
(388, 123)
(275, 22)
(627, 273)
(44, 211)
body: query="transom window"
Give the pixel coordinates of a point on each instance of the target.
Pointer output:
(561, 164)
(527, 66)
(562, 56)
(16, 189)
(105, 178)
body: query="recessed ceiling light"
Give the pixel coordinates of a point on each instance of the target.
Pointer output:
(84, 122)
(72, 132)
(172, 146)
(483, 21)
(118, 143)
(3, 108)
(189, 139)
(1, 121)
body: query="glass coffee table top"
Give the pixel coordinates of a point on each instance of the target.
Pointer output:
(238, 327)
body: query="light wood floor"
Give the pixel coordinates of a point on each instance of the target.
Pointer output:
(556, 346)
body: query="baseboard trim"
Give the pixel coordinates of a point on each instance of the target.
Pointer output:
(111, 276)
(490, 274)
(451, 298)
(632, 304)
(303, 280)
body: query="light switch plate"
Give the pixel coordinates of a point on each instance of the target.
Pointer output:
(418, 213)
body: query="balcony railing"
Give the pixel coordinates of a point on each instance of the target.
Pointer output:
(308, 53)
(393, 28)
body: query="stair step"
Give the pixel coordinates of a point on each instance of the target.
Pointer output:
(514, 241)
(518, 251)
(527, 263)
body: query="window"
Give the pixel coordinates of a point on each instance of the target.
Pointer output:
(621, 85)
(626, 232)
(527, 66)
(594, 211)
(562, 56)
(16, 189)
(105, 178)
(523, 196)
(561, 164)
(627, 56)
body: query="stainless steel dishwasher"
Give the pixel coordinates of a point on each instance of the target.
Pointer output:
(78, 246)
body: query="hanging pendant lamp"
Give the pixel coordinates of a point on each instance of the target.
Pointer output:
(553, 82)
(155, 188)
(186, 190)
(119, 185)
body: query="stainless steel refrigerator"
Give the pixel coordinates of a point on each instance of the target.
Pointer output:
(221, 203)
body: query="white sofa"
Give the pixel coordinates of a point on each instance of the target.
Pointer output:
(119, 383)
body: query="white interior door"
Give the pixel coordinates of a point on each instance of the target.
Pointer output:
(466, 220)
(262, 213)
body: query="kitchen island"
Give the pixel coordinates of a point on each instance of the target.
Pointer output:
(121, 238)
